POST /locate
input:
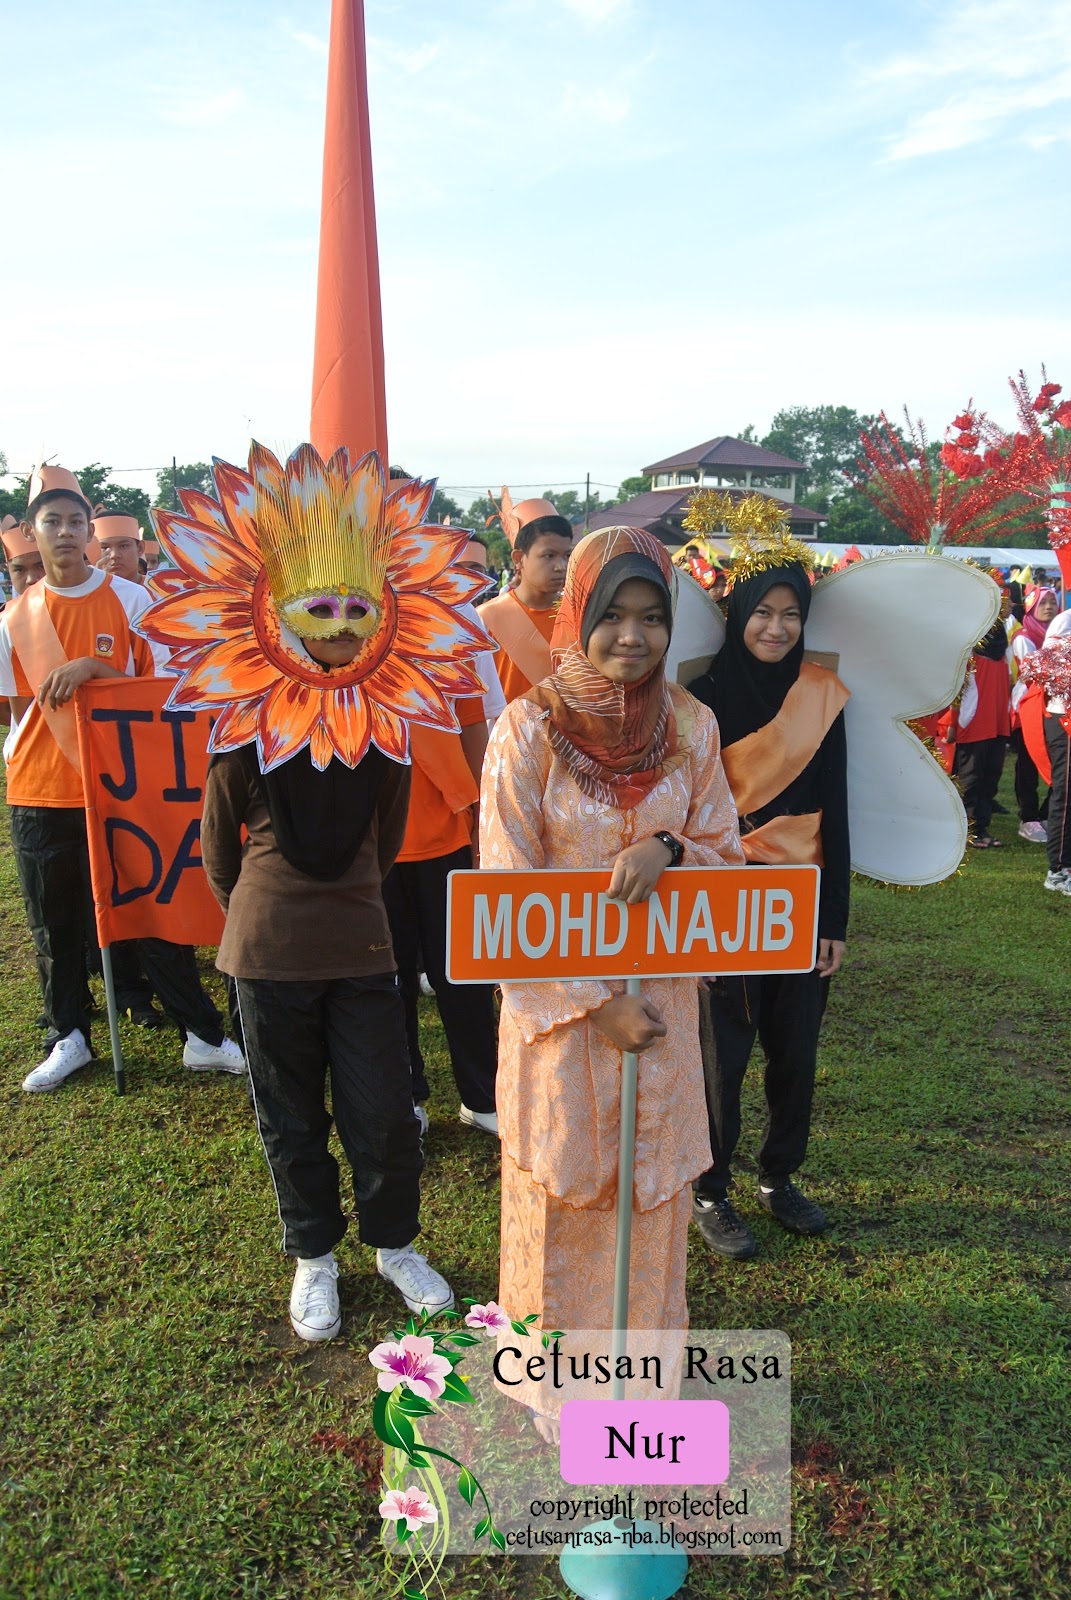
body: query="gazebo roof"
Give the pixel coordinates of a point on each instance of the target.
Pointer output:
(668, 506)
(727, 452)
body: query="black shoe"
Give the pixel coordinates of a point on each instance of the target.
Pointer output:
(999, 810)
(146, 1017)
(722, 1228)
(793, 1210)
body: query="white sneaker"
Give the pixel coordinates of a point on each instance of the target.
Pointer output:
(487, 1120)
(201, 1057)
(1060, 881)
(421, 1287)
(314, 1313)
(425, 986)
(421, 1116)
(1034, 832)
(66, 1056)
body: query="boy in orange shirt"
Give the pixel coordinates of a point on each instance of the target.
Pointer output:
(522, 620)
(72, 626)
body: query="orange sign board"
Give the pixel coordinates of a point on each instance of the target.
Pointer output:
(143, 773)
(543, 927)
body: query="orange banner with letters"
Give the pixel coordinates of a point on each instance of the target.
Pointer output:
(543, 927)
(143, 771)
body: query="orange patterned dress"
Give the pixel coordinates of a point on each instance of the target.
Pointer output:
(559, 1078)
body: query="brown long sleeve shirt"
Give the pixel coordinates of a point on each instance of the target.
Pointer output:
(281, 923)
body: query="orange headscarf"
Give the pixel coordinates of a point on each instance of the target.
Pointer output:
(617, 740)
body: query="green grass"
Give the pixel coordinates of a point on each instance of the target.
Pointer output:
(164, 1434)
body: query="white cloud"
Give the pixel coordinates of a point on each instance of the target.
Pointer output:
(310, 41)
(1000, 64)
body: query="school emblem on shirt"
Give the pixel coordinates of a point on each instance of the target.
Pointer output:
(105, 644)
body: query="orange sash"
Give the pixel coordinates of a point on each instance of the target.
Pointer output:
(37, 644)
(764, 763)
(786, 842)
(507, 622)
(440, 757)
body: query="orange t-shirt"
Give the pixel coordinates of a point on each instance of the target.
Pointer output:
(38, 773)
(514, 683)
(431, 828)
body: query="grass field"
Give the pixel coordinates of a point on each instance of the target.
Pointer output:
(165, 1434)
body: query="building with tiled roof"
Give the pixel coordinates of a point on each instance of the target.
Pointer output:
(723, 463)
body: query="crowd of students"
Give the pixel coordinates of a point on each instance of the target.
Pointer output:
(580, 753)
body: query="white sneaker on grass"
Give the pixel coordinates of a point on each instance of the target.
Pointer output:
(422, 1117)
(1059, 880)
(201, 1057)
(421, 1286)
(487, 1121)
(1033, 832)
(314, 1313)
(65, 1057)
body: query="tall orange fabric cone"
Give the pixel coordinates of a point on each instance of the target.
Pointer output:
(348, 394)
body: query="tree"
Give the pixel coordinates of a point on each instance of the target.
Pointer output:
(631, 487)
(854, 519)
(571, 504)
(442, 506)
(826, 440)
(131, 502)
(194, 475)
(748, 435)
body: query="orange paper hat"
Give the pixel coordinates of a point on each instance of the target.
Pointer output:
(92, 550)
(16, 540)
(109, 525)
(47, 479)
(514, 517)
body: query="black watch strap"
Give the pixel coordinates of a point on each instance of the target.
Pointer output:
(674, 846)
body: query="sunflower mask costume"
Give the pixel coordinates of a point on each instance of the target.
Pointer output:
(314, 550)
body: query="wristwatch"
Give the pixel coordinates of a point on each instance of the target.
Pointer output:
(674, 846)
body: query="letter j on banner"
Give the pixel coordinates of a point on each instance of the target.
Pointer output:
(143, 772)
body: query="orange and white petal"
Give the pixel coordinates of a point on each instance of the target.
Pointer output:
(320, 747)
(455, 586)
(347, 720)
(390, 733)
(198, 616)
(425, 628)
(288, 714)
(233, 669)
(235, 727)
(404, 688)
(235, 490)
(210, 556)
(416, 557)
(408, 505)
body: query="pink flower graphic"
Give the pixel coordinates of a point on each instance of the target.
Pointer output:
(491, 1318)
(412, 1504)
(412, 1363)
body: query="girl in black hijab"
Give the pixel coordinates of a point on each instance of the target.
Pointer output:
(790, 785)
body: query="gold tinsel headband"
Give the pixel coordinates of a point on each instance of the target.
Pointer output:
(757, 528)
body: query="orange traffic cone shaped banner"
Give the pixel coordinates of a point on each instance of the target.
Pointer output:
(348, 393)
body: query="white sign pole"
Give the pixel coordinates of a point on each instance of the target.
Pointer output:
(626, 1160)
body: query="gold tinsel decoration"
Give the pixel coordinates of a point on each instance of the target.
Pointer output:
(757, 528)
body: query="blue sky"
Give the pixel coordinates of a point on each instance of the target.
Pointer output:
(608, 228)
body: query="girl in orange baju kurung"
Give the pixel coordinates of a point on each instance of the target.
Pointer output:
(587, 770)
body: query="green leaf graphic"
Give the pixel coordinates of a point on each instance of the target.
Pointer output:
(467, 1486)
(455, 1389)
(391, 1424)
(482, 1527)
(498, 1539)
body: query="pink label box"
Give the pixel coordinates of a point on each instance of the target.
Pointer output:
(644, 1441)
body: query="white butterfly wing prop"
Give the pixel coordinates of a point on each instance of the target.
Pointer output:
(698, 631)
(903, 627)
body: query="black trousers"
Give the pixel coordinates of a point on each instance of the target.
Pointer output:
(977, 768)
(52, 860)
(1058, 843)
(784, 1011)
(1027, 780)
(414, 893)
(144, 967)
(354, 1029)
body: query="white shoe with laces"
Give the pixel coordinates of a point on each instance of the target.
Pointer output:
(201, 1057)
(422, 1288)
(314, 1313)
(65, 1057)
(1033, 832)
(1060, 881)
(421, 1116)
